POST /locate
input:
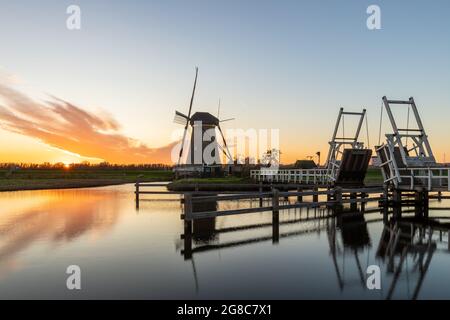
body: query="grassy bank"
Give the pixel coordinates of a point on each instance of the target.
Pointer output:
(212, 184)
(373, 177)
(34, 179)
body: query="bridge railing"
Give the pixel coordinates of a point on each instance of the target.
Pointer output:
(306, 176)
(430, 178)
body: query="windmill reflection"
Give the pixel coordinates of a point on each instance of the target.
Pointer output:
(204, 234)
(204, 229)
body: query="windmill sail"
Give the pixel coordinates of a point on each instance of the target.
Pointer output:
(227, 153)
(188, 116)
(180, 118)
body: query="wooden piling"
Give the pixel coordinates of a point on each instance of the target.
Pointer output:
(338, 195)
(137, 193)
(299, 197)
(260, 189)
(188, 206)
(275, 227)
(275, 201)
(187, 239)
(275, 216)
(385, 195)
(353, 205)
(426, 202)
(187, 226)
(338, 198)
(397, 197)
(316, 196)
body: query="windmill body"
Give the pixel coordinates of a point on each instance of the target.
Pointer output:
(203, 155)
(204, 149)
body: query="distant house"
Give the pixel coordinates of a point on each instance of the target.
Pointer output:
(305, 164)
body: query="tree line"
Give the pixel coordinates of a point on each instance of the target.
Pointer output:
(85, 165)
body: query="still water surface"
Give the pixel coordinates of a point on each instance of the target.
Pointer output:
(125, 253)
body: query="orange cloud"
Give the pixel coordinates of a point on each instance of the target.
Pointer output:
(63, 125)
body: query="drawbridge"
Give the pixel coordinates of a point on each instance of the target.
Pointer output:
(346, 164)
(406, 158)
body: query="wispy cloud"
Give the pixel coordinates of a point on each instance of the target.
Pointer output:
(66, 126)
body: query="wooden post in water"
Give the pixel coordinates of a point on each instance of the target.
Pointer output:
(385, 195)
(137, 192)
(315, 196)
(275, 227)
(275, 201)
(397, 197)
(353, 205)
(397, 203)
(188, 206)
(418, 202)
(299, 198)
(187, 250)
(385, 214)
(275, 217)
(187, 226)
(260, 189)
(426, 202)
(338, 198)
(363, 204)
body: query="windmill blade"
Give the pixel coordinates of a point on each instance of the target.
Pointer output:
(180, 118)
(218, 110)
(227, 119)
(228, 154)
(193, 93)
(188, 116)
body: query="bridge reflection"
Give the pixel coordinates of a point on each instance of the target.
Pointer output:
(406, 246)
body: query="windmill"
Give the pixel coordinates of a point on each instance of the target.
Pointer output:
(203, 138)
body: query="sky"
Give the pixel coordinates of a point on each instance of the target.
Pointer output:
(109, 90)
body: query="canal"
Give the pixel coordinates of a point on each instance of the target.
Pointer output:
(129, 253)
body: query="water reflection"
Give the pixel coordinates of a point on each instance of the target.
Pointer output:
(406, 245)
(54, 216)
(414, 240)
(204, 230)
(355, 239)
(299, 254)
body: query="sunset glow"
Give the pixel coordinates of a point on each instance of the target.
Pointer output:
(110, 90)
